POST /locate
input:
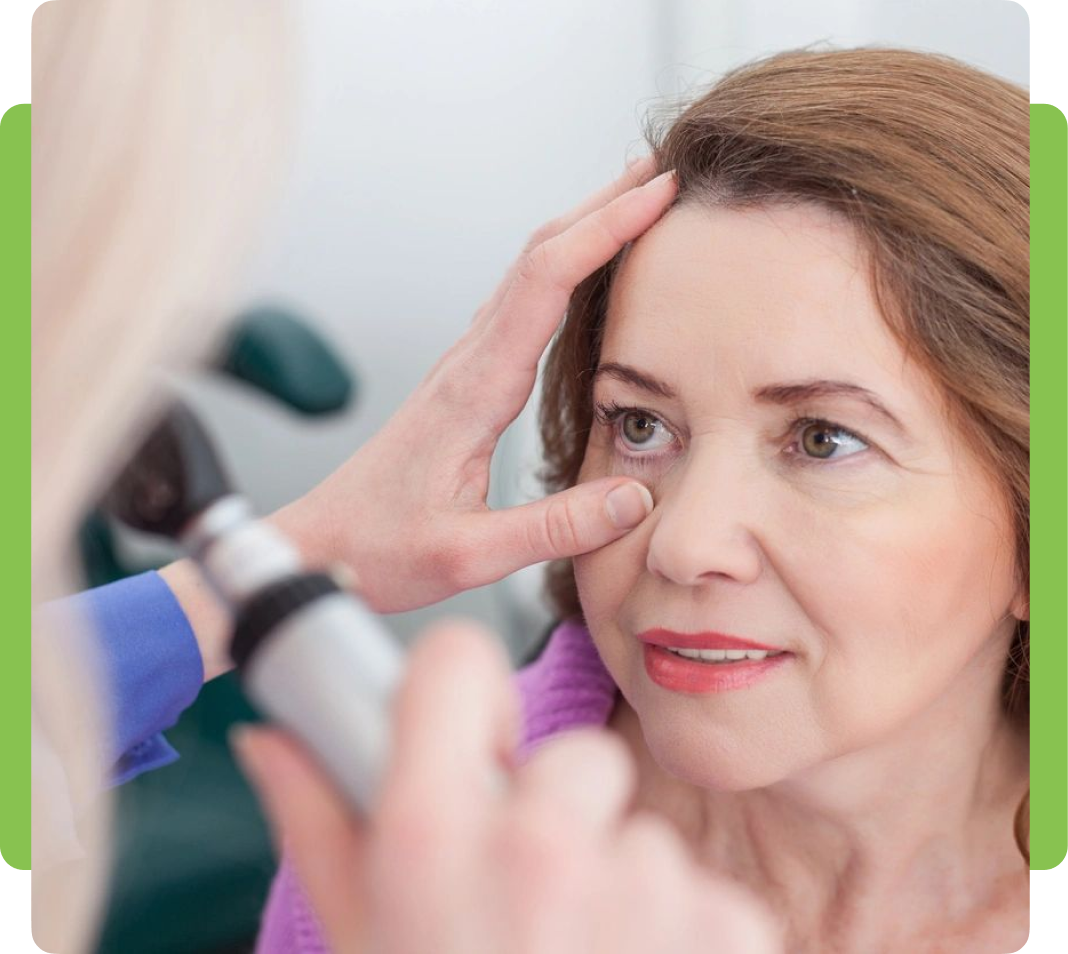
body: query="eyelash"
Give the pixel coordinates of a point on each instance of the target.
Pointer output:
(610, 412)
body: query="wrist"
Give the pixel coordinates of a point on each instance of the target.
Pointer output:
(292, 522)
(315, 540)
(208, 617)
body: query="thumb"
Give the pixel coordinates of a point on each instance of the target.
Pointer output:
(323, 839)
(577, 520)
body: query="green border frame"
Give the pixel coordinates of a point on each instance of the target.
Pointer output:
(1049, 481)
(15, 486)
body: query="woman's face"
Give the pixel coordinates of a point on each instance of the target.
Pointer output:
(811, 499)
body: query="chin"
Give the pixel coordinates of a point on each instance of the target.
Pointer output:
(720, 764)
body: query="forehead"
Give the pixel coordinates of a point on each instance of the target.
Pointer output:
(770, 292)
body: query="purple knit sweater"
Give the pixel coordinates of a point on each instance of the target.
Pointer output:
(565, 688)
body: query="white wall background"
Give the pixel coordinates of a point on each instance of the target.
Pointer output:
(1049, 46)
(434, 135)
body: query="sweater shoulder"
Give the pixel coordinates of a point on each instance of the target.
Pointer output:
(566, 687)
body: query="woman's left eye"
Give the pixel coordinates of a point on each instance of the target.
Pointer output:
(822, 440)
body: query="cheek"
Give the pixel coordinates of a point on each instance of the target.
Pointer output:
(917, 568)
(906, 598)
(605, 577)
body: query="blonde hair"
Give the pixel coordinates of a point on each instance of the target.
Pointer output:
(156, 132)
(929, 160)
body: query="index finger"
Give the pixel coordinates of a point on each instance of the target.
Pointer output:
(636, 174)
(534, 304)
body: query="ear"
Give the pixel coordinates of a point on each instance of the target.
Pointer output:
(1021, 606)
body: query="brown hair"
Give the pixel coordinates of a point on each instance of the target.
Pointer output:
(929, 160)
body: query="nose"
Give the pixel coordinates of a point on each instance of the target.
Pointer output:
(706, 521)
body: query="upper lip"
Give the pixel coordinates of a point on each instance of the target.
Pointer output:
(707, 640)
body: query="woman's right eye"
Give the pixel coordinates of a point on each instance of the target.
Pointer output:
(641, 429)
(637, 429)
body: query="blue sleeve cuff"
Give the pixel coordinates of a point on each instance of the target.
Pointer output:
(151, 754)
(150, 664)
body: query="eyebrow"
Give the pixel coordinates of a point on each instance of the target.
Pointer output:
(784, 394)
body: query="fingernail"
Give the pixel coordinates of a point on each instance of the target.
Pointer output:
(661, 180)
(636, 161)
(628, 505)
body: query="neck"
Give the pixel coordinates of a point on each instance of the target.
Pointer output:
(883, 842)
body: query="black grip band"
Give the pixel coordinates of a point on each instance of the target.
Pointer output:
(270, 606)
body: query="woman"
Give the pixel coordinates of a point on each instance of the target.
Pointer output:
(818, 362)
(125, 246)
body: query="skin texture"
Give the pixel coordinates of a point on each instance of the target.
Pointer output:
(867, 787)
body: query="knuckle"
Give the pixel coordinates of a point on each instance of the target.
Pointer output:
(562, 527)
(526, 269)
(542, 234)
(605, 222)
(450, 377)
(451, 564)
(537, 265)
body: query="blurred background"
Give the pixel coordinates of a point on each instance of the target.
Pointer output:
(433, 136)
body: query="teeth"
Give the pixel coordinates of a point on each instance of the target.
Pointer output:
(720, 655)
(709, 655)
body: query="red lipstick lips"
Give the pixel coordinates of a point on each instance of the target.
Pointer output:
(718, 673)
(665, 637)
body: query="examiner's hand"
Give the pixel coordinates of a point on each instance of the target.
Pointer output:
(456, 863)
(407, 513)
